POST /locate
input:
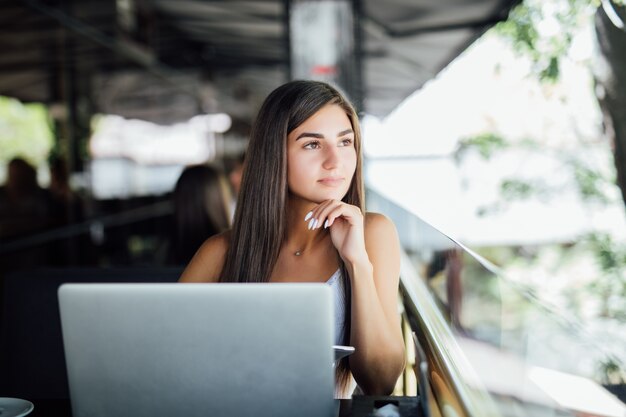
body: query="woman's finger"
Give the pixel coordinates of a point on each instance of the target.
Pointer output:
(325, 210)
(313, 218)
(346, 211)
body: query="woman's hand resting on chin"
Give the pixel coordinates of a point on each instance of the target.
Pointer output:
(345, 222)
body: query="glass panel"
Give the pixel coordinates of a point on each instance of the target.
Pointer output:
(530, 357)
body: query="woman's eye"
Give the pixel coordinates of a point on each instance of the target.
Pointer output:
(312, 145)
(346, 142)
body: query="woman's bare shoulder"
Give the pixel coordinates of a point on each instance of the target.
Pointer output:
(376, 223)
(207, 263)
(382, 243)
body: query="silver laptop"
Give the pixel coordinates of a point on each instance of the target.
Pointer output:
(198, 349)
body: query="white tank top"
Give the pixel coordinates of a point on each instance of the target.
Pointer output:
(338, 285)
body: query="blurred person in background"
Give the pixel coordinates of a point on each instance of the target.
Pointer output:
(202, 204)
(24, 206)
(66, 209)
(25, 209)
(67, 206)
(236, 172)
(234, 168)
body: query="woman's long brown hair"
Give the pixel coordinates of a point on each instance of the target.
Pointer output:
(259, 226)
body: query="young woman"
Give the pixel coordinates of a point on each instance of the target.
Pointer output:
(299, 218)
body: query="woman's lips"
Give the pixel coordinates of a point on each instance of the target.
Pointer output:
(331, 181)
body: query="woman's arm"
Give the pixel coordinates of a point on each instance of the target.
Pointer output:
(376, 334)
(207, 263)
(371, 252)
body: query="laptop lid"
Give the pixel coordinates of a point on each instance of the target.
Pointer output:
(198, 349)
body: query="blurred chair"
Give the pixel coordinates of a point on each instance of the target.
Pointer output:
(32, 361)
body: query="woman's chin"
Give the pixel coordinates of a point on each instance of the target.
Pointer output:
(331, 194)
(320, 197)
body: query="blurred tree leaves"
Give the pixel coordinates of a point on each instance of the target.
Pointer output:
(590, 183)
(486, 144)
(611, 284)
(544, 30)
(24, 131)
(515, 189)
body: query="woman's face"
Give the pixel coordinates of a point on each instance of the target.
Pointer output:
(321, 157)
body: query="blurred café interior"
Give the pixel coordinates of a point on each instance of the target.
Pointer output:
(123, 95)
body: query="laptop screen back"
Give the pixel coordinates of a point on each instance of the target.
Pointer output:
(198, 349)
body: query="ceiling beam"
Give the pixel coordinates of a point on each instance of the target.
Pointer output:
(121, 48)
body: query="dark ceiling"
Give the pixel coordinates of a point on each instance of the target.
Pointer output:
(166, 59)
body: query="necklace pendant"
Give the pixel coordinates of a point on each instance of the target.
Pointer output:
(298, 253)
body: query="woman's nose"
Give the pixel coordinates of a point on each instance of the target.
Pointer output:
(331, 157)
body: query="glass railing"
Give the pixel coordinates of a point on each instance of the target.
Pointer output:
(493, 346)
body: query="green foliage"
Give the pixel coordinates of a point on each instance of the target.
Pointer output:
(486, 144)
(543, 30)
(24, 131)
(520, 28)
(515, 189)
(611, 372)
(609, 256)
(590, 183)
(610, 287)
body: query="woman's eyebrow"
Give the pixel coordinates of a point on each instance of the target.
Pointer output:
(320, 136)
(310, 135)
(345, 132)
